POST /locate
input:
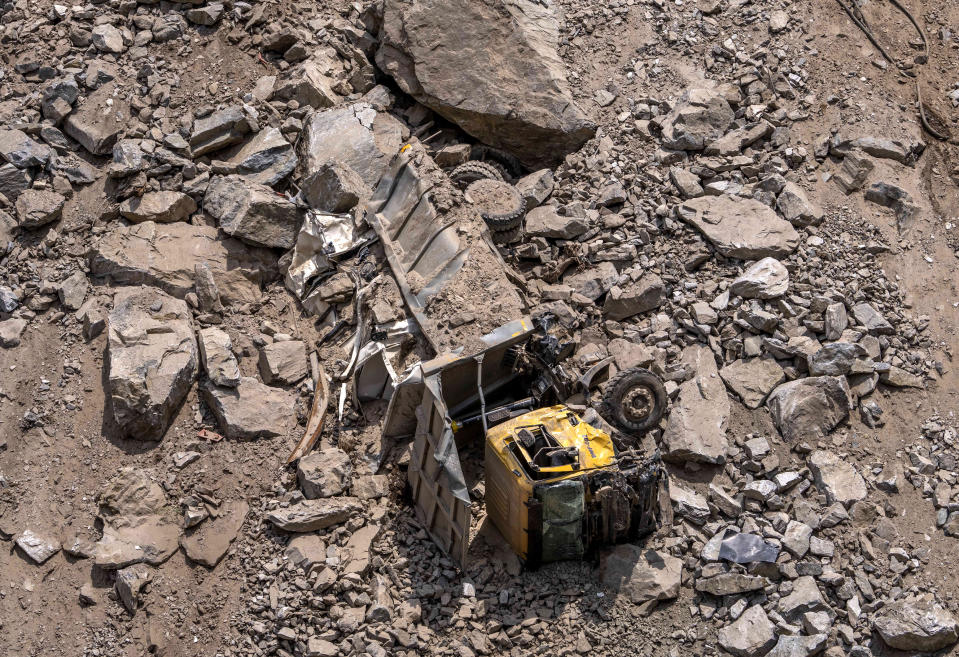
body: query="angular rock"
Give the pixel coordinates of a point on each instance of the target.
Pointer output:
(207, 16)
(535, 188)
(642, 575)
(916, 624)
(686, 182)
(324, 473)
(701, 116)
(836, 478)
(730, 584)
(622, 302)
(252, 212)
(836, 321)
(309, 86)
(166, 255)
(313, 515)
(795, 645)
(696, 429)
(216, 356)
(334, 187)
(689, 504)
(283, 363)
(808, 409)
(740, 228)
(795, 207)
(356, 136)
(356, 553)
(805, 597)
(874, 322)
(753, 379)
(766, 279)
(162, 207)
(10, 332)
(13, 182)
(130, 582)
(138, 523)
(218, 130)
(37, 546)
(835, 359)
(545, 221)
(251, 409)
(97, 123)
(208, 543)
(594, 282)
(153, 360)
(492, 69)
(73, 289)
(751, 635)
(36, 208)
(107, 38)
(21, 151)
(266, 159)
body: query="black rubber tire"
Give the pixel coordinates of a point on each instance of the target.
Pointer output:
(507, 163)
(509, 219)
(629, 389)
(469, 172)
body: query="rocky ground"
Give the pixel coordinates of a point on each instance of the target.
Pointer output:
(736, 194)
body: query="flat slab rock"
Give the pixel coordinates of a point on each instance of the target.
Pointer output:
(208, 543)
(153, 360)
(491, 68)
(139, 525)
(753, 379)
(752, 634)
(38, 546)
(741, 228)
(836, 478)
(251, 409)
(696, 429)
(252, 212)
(166, 255)
(313, 515)
(642, 575)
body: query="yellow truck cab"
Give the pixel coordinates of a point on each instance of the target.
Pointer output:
(556, 488)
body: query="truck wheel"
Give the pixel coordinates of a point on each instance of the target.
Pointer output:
(498, 202)
(634, 401)
(470, 172)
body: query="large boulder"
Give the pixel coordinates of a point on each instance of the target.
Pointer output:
(699, 118)
(22, 151)
(252, 212)
(808, 409)
(219, 130)
(356, 136)
(314, 515)
(38, 207)
(642, 575)
(490, 67)
(250, 409)
(153, 360)
(208, 543)
(740, 228)
(696, 430)
(166, 255)
(753, 379)
(836, 478)
(216, 355)
(624, 301)
(324, 473)
(766, 279)
(283, 363)
(916, 624)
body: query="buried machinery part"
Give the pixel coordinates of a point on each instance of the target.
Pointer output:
(498, 202)
(634, 401)
(470, 172)
(508, 236)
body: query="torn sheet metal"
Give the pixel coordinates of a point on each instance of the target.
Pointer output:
(322, 237)
(436, 478)
(375, 375)
(747, 548)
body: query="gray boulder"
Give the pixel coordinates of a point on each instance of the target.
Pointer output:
(37, 207)
(629, 299)
(266, 159)
(37, 546)
(700, 117)
(219, 130)
(795, 206)
(162, 207)
(356, 136)
(751, 635)
(808, 409)
(836, 478)
(324, 473)
(740, 228)
(166, 256)
(21, 151)
(334, 187)
(491, 68)
(216, 355)
(283, 363)
(153, 360)
(252, 212)
(251, 410)
(916, 624)
(313, 515)
(766, 279)
(642, 575)
(97, 124)
(696, 430)
(753, 379)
